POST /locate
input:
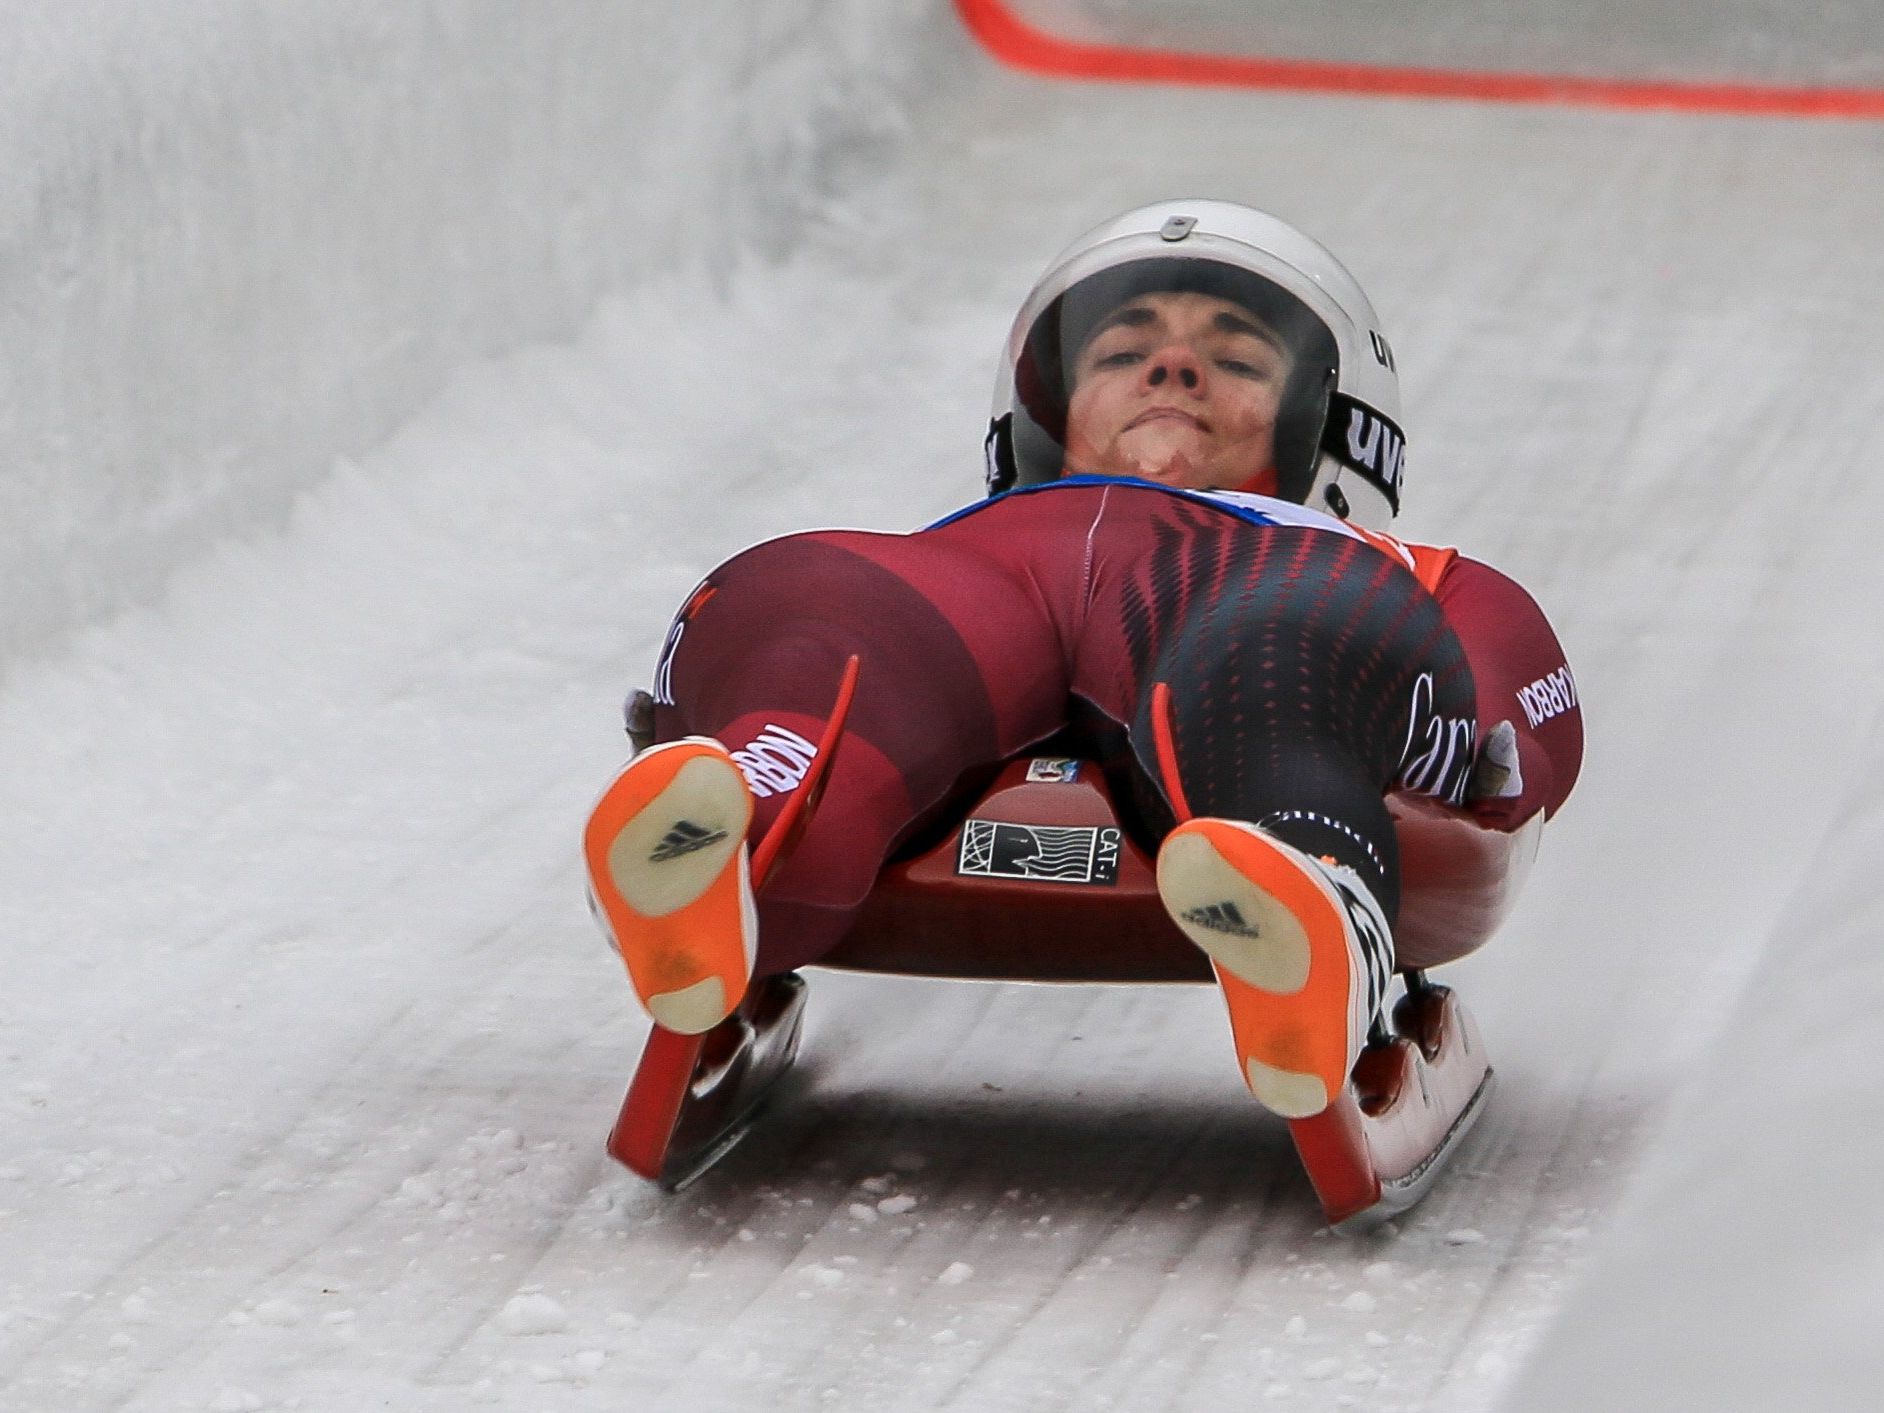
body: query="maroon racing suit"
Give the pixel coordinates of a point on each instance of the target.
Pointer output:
(1309, 671)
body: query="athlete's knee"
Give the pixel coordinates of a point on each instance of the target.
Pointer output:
(784, 569)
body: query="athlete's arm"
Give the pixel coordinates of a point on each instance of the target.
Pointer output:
(1522, 677)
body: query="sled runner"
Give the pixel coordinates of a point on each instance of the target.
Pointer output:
(1042, 880)
(694, 1096)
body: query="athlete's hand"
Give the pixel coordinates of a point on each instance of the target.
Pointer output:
(1495, 774)
(638, 715)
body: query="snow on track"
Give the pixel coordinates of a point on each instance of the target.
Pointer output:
(311, 1049)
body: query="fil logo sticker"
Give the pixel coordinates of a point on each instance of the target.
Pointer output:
(1050, 853)
(1053, 770)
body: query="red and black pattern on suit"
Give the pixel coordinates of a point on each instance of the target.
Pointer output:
(1299, 661)
(1309, 670)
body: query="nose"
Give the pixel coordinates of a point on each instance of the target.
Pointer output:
(1175, 361)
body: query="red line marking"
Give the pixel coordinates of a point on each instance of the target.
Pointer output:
(1014, 42)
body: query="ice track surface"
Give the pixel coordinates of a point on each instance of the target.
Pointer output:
(311, 1048)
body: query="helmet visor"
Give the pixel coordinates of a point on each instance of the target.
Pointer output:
(1188, 371)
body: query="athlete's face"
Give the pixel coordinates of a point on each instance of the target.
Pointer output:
(1178, 388)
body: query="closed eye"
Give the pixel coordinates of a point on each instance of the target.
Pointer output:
(1260, 369)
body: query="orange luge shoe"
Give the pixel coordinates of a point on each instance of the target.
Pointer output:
(670, 881)
(1301, 951)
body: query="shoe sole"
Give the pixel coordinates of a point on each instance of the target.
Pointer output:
(668, 871)
(1277, 936)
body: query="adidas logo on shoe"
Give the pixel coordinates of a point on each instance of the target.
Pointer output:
(1302, 952)
(1221, 917)
(685, 838)
(664, 850)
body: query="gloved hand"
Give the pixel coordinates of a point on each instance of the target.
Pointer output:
(638, 713)
(1495, 774)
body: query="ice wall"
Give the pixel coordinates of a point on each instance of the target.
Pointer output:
(1746, 1269)
(237, 241)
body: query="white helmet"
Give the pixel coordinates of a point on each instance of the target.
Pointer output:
(1338, 444)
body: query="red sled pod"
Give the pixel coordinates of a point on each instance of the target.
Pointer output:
(1041, 880)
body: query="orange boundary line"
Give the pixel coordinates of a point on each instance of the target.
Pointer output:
(1014, 42)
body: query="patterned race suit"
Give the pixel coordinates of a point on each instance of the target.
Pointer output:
(1311, 668)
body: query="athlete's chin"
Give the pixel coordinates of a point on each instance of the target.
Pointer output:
(1178, 471)
(1165, 452)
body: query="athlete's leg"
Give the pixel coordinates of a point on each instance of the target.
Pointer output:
(1304, 674)
(1522, 677)
(960, 667)
(1307, 674)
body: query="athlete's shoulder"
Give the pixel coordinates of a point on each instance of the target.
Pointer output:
(1429, 563)
(1273, 511)
(1470, 587)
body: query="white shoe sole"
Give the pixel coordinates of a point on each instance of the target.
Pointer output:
(662, 860)
(1259, 943)
(707, 799)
